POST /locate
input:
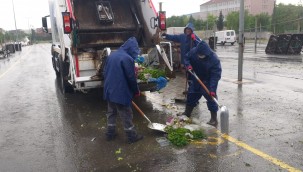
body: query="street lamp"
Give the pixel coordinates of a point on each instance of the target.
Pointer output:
(15, 21)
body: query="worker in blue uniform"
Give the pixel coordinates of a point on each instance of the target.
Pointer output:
(120, 86)
(206, 64)
(187, 40)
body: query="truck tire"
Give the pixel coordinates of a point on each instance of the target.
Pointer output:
(55, 68)
(64, 69)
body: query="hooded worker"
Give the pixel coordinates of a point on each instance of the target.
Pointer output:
(120, 86)
(206, 64)
(188, 40)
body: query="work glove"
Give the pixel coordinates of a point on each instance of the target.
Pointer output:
(212, 94)
(193, 37)
(140, 60)
(189, 68)
(138, 94)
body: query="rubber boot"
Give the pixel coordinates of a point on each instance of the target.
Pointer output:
(213, 120)
(110, 133)
(188, 111)
(133, 137)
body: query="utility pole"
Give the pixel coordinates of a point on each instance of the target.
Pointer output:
(215, 42)
(15, 22)
(160, 6)
(299, 24)
(274, 18)
(256, 36)
(241, 46)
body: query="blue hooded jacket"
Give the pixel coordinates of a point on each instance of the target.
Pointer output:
(120, 83)
(185, 40)
(208, 68)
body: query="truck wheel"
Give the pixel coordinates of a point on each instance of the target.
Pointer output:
(232, 43)
(64, 69)
(54, 66)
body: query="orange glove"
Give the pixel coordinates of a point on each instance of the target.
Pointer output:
(189, 67)
(193, 37)
(213, 94)
(138, 94)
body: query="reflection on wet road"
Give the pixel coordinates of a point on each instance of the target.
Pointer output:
(44, 130)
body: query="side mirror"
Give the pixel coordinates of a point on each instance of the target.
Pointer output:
(44, 24)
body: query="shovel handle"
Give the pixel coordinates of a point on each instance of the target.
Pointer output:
(204, 87)
(140, 111)
(200, 82)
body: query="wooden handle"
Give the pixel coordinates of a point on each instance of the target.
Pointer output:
(201, 83)
(138, 109)
(205, 88)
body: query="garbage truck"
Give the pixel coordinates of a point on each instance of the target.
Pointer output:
(85, 32)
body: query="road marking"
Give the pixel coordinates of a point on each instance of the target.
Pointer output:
(260, 153)
(209, 141)
(10, 68)
(13, 65)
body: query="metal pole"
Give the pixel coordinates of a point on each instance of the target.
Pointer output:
(274, 17)
(260, 32)
(256, 35)
(215, 42)
(15, 22)
(241, 46)
(160, 6)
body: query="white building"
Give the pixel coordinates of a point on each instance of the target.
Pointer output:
(213, 7)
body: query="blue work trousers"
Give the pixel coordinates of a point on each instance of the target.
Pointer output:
(125, 112)
(194, 94)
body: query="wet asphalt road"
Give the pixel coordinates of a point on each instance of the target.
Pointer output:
(43, 130)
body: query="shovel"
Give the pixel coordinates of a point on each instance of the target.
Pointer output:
(224, 115)
(153, 126)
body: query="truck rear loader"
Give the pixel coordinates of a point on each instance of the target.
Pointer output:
(84, 32)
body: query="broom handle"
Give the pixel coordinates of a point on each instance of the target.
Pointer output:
(204, 87)
(140, 111)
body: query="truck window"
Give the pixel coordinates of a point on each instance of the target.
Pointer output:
(232, 33)
(228, 33)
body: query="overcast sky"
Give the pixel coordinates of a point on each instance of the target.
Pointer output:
(29, 12)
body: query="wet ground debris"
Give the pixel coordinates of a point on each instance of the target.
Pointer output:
(181, 131)
(181, 136)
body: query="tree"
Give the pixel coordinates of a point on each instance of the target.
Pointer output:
(177, 21)
(286, 17)
(198, 23)
(1, 37)
(220, 22)
(211, 21)
(249, 22)
(232, 21)
(191, 19)
(263, 20)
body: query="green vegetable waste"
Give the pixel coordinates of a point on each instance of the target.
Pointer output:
(154, 73)
(181, 136)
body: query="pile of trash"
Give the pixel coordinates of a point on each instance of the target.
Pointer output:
(181, 131)
(150, 74)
